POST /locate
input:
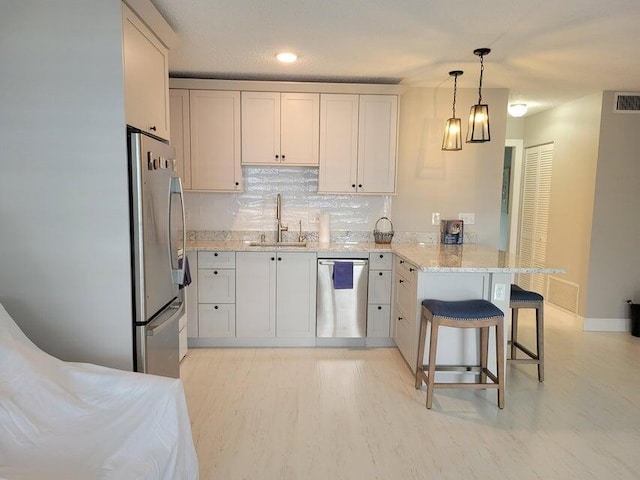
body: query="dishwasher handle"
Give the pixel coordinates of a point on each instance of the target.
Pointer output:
(333, 262)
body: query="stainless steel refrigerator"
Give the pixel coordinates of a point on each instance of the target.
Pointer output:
(158, 240)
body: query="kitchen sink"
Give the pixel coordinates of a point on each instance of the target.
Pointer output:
(277, 244)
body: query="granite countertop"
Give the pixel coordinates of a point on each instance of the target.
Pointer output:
(428, 257)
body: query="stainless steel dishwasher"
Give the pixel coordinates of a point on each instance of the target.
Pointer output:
(342, 312)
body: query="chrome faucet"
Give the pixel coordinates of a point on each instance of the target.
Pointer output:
(281, 228)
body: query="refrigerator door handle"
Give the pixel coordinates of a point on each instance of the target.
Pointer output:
(159, 324)
(176, 188)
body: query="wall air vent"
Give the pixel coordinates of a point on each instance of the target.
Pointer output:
(626, 102)
(563, 294)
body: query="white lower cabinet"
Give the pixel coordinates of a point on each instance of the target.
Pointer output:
(216, 287)
(276, 294)
(217, 320)
(379, 295)
(296, 295)
(256, 300)
(405, 294)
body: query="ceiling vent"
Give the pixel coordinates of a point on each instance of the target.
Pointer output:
(626, 102)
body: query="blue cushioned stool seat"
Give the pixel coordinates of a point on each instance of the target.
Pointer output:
(521, 298)
(476, 313)
(463, 310)
(519, 294)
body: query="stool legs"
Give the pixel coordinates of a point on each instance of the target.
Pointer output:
(538, 356)
(540, 341)
(500, 362)
(420, 359)
(484, 353)
(514, 332)
(428, 376)
(433, 344)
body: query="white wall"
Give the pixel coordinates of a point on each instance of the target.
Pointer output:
(574, 130)
(63, 188)
(614, 261)
(466, 181)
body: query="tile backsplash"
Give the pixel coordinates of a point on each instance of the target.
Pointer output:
(255, 208)
(246, 215)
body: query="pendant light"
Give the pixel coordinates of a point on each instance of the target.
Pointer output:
(453, 129)
(479, 115)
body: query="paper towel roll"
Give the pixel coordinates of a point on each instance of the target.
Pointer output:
(324, 228)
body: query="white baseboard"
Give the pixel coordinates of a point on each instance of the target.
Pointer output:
(606, 325)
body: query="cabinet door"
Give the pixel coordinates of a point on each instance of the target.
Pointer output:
(378, 321)
(256, 294)
(180, 134)
(146, 77)
(378, 117)
(380, 286)
(216, 320)
(338, 143)
(216, 286)
(260, 128)
(215, 140)
(299, 128)
(403, 338)
(296, 294)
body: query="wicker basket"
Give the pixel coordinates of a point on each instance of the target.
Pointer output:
(382, 237)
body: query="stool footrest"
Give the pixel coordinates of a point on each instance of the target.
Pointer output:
(478, 370)
(525, 350)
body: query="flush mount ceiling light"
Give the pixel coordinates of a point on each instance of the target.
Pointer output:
(517, 109)
(287, 57)
(452, 131)
(479, 115)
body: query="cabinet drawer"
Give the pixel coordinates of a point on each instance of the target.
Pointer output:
(216, 285)
(379, 286)
(406, 269)
(381, 261)
(217, 259)
(216, 320)
(378, 321)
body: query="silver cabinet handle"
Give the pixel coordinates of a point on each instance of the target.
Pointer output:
(333, 262)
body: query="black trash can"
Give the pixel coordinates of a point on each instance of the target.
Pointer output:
(635, 319)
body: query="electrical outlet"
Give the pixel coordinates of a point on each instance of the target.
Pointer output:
(467, 218)
(314, 217)
(435, 219)
(500, 292)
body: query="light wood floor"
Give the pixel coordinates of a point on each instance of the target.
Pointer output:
(355, 414)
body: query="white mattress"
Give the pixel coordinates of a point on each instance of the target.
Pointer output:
(62, 420)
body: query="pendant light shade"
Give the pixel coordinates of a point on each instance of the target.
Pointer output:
(453, 129)
(479, 115)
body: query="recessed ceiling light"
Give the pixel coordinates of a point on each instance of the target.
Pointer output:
(287, 57)
(517, 109)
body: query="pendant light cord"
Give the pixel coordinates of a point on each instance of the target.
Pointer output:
(481, 72)
(455, 88)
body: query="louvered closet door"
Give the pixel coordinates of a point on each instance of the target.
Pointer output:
(536, 194)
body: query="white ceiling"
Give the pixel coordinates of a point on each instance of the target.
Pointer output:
(545, 52)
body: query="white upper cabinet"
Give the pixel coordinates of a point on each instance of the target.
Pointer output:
(215, 140)
(358, 138)
(280, 128)
(377, 137)
(338, 143)
(146, 77)
(180, 134)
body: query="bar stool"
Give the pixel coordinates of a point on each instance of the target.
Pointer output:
(521, 298)
(480, 314)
